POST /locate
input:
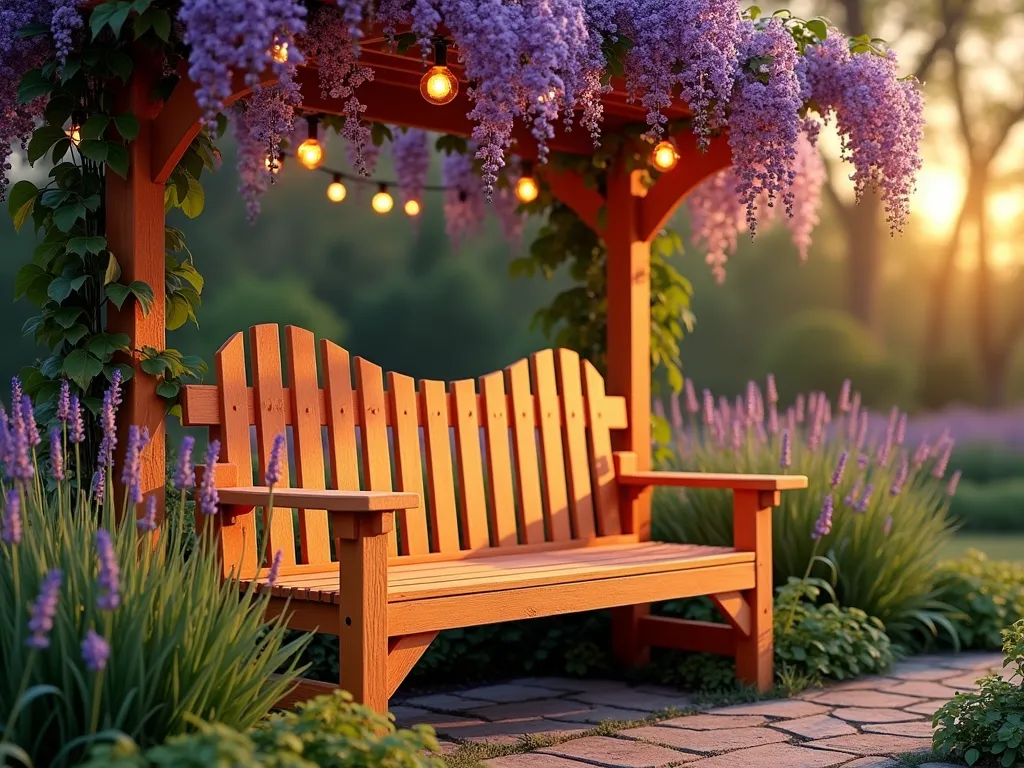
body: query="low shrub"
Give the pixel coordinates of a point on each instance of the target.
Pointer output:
(988, 725)
(887, 506)
(989, 463)
(992, 506)
(107, 629)
(327, 732)
(986, 595)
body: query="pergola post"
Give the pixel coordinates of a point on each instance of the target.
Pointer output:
(135, 235)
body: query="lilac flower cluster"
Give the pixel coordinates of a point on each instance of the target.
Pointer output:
(411, 156)
(253, 174)
(65, 22)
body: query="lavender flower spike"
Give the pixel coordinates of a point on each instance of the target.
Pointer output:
(844, 396)
(900, 479)
(943, 461)
(95, 651)
(275, 568)
(110, 574)
(786, 459)
(76, 426)
(56, 454)
(31, 428)
(208, 498)
(99, 486)
(185, 475)
(64, 402)
(823, 526)
(837, 475)
(772, 392)
(691, 397)
(862, 505)
(147, 523)
(954, 481)
(709, 407)
(887, 526)
(854, 494)
(10, 531)
(273, 476)
(43, 611)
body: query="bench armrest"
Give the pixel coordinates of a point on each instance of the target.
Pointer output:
(627, 474)
(311, 498)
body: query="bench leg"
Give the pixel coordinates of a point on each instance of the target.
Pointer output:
(752, 524)
(363, 631)
(626, 642)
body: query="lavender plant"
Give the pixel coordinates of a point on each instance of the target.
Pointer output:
(107, 630)
(876, 511)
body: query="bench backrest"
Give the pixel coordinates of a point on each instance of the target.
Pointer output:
(521, 457)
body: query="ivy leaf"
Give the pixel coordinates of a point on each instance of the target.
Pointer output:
(94, 149)
(118, 62)
(84, 245)
(82, 367)
(113, 271)
(105, 344)
(20, 202)
(117, 293)
(94, 127)
(59, 109)
(44, 137)
(27, 275)
(54, 198)
(62, 287)
(127, 125)
(379, 132)
(143, 294)
(66, 316)
(141, 6)
(75, 333)
(194, 201)
(67, 216)
(33, 30)
(33, 85)
(168, 389)
(117, 159)
(154, 366)
(161, 21)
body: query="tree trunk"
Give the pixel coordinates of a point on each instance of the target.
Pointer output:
(993, 353)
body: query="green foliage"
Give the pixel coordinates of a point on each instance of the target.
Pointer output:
(987, 596)
(949, 380)
(328, 732)
(888, 574)
(988, 725)
(817, 350)
(982, 463)
(184, 643)
(992, 506)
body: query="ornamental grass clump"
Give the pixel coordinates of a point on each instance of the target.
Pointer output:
(873, 519)
(109, 631)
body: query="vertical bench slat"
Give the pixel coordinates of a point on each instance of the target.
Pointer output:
(300, 350)
(268, 394)
(581, 500)
(376, 454)
(412, 523)
(524, 439)
(472, 497)
(502, 505)
(341, 417)
(602, 468)
(552, 460)
(444, 531)
(237, 542)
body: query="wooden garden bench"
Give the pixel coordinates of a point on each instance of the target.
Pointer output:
(525, 510)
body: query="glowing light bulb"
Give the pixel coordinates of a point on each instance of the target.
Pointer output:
(412, 207)
(272, 165)
(664, 157)
(74, 133)
(438, 85)
(526, 188)
(279, 52)
(336, 191)
(310, 154)
(382, 202)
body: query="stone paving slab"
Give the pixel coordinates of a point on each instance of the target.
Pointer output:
(705, 741)
(816, 727)
(873, 744)
(776, 756)
(618, 753)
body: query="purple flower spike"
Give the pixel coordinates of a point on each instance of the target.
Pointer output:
(16, 393)
(773, 393)
(773, 419)
(691, 397)
(64, 402)
(823, 525)
(737, 434)
(900, 479)
(31, 428)
(274, 464)
(854, 494)
(862, 430)
(275, 568)
(954, 481)
(887, 526)
(95, 651)
(676, 412)
(208, 498)
(99, 486)
(922, 453)
(901, 429)
(837, 475)
(147, 523)
(76, 426)
(131, 475)
(43, 610)
(943, 461)
(109, 577)
(786, 459)
(6, 439)
(799, 409)
(185, 475)
(844, 397)
(862, 505)
(863, 460)
(10, 532)
(709, 407)
(56, 454)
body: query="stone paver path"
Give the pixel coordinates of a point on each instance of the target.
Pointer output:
(864, 723)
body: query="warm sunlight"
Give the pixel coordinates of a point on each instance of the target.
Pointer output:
(940, 191)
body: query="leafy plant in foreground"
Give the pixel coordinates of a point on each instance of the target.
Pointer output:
(987, 595)
(106, 629)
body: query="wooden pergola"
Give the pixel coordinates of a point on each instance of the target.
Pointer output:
(634, 215)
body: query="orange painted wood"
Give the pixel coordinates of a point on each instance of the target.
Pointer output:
(341, 412)
(752, 532)
(374, 432)
(530, 507)
(332, 500)
(581, 498)
(304, 690)
(269, 396)
(238, 544)
(687, 635)
(444, 527)
(602, 465)
(571, 188)
(403, 653)
(201, 407)
(629, 476)
(472, 496)
(549, 418)
(412, 523)
(480, 608)
(314, 536)
(735, 610)
(135, 232)
(363, 570)
(542, 547)
(502, 507)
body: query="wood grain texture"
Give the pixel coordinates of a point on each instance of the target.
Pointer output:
(403, 653)
(412, 523)
(374, 433)
(499, 463)
(581, 498)
(330, 499)
(752, 532)
(340, 409)
(444, 526)
(549, 415)
(314, 536)
(529, 507)
(472, 493)
(687, 635)
(602, 464)
(268, 391)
